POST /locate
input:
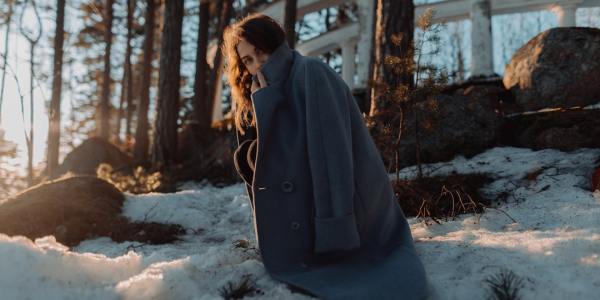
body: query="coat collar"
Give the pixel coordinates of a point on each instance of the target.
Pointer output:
(277, 67)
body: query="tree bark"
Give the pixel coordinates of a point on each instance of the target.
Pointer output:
(226, 13)
(394, 17)
(130, 106)
(54, 111)
(104, 108)
(33, 39)
(120, 112)
(141, 133)
(164, 150)
(290, 21)
(200, 99)
(126, 83)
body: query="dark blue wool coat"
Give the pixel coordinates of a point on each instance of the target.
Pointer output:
(325, 216)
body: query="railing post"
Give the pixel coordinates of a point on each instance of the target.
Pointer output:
(366, 13)
(348, 62)
(565, 13)
(481, 38)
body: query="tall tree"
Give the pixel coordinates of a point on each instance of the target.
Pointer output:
(54, 111)
(141, 133)
(394, 19)
(126, 83)
(164, 148)
(289, 23)
(89, 50)
(200, 99)
(33, 37)
(104, 107)
(130, 106)
(225, 15)
(5, 52)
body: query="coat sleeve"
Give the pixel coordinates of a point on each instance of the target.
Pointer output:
(329, 146)
(251, 133)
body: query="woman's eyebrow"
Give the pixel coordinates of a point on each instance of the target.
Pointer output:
(255, 50)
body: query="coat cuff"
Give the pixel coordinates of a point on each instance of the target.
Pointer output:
(336, 233)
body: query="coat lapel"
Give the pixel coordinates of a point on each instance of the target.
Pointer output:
(266, 100)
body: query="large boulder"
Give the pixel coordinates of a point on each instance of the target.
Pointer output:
(207, 154)
(72, 209)
(557, 68)
(465, 122)
(85, 158)
(560, 129)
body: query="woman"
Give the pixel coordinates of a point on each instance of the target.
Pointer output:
(325, 217)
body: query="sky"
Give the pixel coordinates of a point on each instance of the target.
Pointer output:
(509, 33)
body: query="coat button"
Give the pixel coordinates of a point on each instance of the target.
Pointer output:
(295, 225)
(287, 186)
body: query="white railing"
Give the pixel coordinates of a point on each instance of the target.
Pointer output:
(354, 38)
(479, 12)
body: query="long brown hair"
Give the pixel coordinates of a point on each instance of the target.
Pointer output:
(265, 34)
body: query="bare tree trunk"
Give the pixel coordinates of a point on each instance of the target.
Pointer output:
(327, 55)
(141, 133)
(120, 112)
(226, 13)
(30, 138)
(289, 24)
(164, 150)
(5, 53)
(459, 57)
(33, 39)
(130, 106)
(200, 100)
(54, 112)
(394, 17)
(104, 107)
(126, 81)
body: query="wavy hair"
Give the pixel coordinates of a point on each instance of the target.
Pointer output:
(265, 34)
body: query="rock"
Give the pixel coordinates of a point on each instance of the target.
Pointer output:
(557, 68)
(596, 179)
(208, 154)
(361, 95)
(72, 209)
(560, 129)
(465, 123)
(85, 158)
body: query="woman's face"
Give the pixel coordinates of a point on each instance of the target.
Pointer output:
(252, 57)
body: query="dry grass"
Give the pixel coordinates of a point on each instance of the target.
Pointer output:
(135, 181)
(246, 287)
(442, 197)
(504, 286)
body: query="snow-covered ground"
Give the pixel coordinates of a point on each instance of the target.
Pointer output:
(554, 245)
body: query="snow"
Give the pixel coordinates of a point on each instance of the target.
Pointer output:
(554, 245)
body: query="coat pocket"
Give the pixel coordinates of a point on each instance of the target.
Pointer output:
(338, 233)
